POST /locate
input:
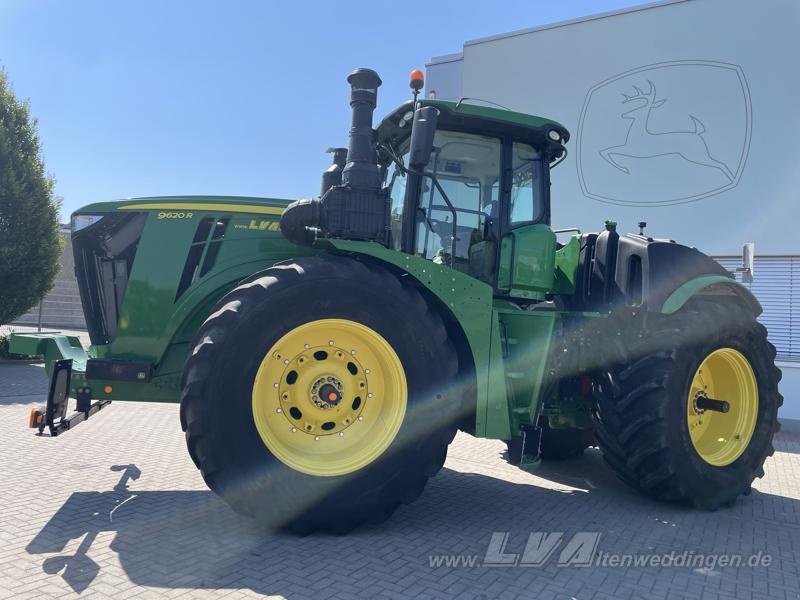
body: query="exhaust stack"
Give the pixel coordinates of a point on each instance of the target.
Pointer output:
(355, 206)
(361, 170)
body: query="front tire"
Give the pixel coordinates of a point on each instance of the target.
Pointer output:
(650, 423)
(319, 395)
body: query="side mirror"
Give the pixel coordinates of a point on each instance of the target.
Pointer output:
(422, 132)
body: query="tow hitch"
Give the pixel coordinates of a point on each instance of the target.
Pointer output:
(54, 415)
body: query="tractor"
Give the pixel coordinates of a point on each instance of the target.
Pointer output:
(325, 351)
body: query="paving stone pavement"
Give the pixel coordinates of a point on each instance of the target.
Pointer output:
(115, 509)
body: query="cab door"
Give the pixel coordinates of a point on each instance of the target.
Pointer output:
(528, 245)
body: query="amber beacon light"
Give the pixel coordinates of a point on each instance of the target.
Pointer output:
(416, 81)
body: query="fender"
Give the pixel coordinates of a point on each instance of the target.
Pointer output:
(657, 275)
(710, 285)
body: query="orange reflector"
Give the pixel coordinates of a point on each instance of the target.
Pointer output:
(332, 396)
(35, 418)
(108, 389)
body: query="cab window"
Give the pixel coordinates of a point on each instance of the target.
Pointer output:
(396, 180)
(467, 167)
(527, 186)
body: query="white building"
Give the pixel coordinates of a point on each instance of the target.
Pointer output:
(710, 157)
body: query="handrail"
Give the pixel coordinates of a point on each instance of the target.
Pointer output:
(435, 181)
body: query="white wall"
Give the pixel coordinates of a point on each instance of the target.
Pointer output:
(731, 64)
(790, 388)
(728, 68)
(446, 72)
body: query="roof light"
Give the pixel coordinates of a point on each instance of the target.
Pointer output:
(406, 118)
(554, 135)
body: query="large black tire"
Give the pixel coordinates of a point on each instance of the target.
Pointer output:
(556, 444)
(641, 416)
(216, 402)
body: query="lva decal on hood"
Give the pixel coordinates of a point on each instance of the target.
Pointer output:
(664, 134)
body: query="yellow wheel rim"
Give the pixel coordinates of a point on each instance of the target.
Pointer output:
(329, 397)
(721, 437)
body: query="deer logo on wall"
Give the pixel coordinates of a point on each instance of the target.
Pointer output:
(687, 141)
(643, 142)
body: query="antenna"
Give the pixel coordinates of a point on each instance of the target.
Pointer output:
(465, 98)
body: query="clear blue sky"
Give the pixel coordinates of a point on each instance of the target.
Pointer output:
(152, 98)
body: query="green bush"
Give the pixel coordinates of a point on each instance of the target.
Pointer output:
(30, 243)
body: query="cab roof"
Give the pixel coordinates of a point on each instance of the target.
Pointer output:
(474, 118)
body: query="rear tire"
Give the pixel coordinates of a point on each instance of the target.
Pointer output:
(645, 406)
(236, 438)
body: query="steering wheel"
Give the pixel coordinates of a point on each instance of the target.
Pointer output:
(440, 227)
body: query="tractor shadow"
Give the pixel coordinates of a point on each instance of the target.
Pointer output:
(191, 539)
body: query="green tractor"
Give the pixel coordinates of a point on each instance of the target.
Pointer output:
(325, 352)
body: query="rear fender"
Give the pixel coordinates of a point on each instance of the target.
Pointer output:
(710, 286)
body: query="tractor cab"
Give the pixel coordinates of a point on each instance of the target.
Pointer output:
(462, 185)
(481, 201)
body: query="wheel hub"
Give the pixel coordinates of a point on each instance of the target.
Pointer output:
(695, 407)
(322, 389)
(326, 393)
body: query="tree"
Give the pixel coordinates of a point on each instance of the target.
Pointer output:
(30, 243)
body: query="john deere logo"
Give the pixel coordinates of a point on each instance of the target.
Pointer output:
(664, 134)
